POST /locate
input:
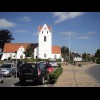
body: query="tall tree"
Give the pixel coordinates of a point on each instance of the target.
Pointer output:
(29, 51)
(65, 52)
(84, 56)
(97, 54)
(5, 37)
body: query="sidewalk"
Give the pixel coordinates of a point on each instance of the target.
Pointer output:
(77, 78)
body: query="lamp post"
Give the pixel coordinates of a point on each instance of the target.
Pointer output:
(16, 63)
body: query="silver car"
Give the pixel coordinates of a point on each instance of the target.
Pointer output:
(8, 69)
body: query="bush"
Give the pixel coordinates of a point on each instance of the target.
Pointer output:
(54, 76)
(98, 61)
(58, 60)
(29, 60)
(59, 64)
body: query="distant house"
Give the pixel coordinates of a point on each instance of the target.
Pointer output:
(14, 50)
(77, 57)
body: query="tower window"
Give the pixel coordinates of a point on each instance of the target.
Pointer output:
(42, 32)
(44, 38)
(55, 56)
(45, 55)
(47, 32)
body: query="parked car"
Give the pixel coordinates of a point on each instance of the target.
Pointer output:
(8, 69)
(53, 63)
(34, 72)
(49, 68)
(1, 76)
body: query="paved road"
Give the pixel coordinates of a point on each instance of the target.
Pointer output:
(8, 81)
(95, 72)
(14, 82)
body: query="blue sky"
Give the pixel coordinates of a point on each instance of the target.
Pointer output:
(84, 28)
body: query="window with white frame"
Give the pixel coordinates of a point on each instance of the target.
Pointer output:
(45, 54)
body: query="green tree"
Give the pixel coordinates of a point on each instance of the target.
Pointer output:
(29, 51)
(65, 52)
(84, 56)
(5, 37)
(97, 54)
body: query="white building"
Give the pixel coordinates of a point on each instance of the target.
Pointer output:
(77, 57)
(43, 49)
(14, 50)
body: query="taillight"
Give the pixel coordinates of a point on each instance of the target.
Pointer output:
(39, 72)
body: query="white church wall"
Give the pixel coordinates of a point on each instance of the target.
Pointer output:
(45, 46)
(7, 55)
(35, 52)
(56, 56)
(20, 52)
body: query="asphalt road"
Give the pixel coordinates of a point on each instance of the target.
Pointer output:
(8, 81)
(14, 82)
(95, 72)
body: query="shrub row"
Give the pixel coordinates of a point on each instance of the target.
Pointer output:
(54, 76)
(59, 64)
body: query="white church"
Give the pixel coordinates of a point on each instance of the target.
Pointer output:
(43, 49)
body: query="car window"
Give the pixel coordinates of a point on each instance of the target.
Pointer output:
(6, 66)
(25, 66)
(34, 66)
(41, 65)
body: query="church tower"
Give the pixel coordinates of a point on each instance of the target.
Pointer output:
(45, 42)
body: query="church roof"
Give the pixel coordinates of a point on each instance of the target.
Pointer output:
(40, 27)
(12, 47)
(56, 50)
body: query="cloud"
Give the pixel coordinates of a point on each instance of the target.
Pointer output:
(82, 37)
(62, 16)
(91, 33)
(66, 34)
(25, 19)
(6, 24)
(35, 34)
(75, 35)
(21, 31)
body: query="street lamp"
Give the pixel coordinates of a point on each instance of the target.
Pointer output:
(16, 63)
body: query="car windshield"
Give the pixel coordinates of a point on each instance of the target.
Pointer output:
(6, 66)
(29, 66)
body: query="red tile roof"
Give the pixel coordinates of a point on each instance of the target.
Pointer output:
(56, 50)
(12, 47)
(40, 27)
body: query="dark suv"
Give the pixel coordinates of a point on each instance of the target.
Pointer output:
(34, 72)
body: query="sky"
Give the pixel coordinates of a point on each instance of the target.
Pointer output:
(83, 27)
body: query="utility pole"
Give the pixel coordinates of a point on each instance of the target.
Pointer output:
(69, 46)
(16, 63)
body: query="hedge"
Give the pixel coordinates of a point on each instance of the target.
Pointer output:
(54, 76)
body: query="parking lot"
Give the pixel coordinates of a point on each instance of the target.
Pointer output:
(14, 82)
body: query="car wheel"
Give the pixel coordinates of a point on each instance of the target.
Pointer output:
(22, 81)
(11, 75)
(2, 81)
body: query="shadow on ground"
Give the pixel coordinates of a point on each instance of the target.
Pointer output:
(30, 84)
